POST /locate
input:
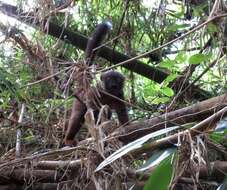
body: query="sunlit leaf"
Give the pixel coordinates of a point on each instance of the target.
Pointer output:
(171, 77)
(161, 100)
(167, 91)
(181, 57)
(197, 58)
(161, 177)
(175, 27)
(167, 64)
(151, 89)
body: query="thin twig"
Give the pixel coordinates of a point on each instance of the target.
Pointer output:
(204, 72)
(110, 41)
(164, 45)
(197, 129)
(18, 140)
(47, 78)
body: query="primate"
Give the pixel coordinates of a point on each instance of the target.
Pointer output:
(112, 82)
(96, 39)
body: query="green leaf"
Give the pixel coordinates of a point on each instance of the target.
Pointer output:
(219, 137)
(167, 91)
(212, 28)
(197, 58)
(181, 57)
(171, 77)
(161, 176)
(167, 64)
(161, 100)
(176, 27)
(151, 89)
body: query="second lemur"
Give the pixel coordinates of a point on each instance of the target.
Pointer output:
(111, 82)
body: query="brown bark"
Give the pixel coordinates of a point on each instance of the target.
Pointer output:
(19, 176)
(11, 187)
(53, 165)
(196, 112)
(217, 172)
(37, 186)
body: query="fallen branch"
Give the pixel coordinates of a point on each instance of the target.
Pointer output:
(196, 112)
(22, 175)
(172, 139)
(53, 165)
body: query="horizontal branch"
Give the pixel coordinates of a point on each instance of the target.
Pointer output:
(173, 139)
(22, 175)
(196, 112)
(53, 165)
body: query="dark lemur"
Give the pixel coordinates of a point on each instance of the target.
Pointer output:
(96, 40)
(111, 82)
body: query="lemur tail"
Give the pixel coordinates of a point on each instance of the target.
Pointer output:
(96, 40)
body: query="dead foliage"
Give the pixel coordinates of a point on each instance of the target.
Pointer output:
(200, 163)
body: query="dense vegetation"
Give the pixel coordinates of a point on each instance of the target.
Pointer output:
(173, 55)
